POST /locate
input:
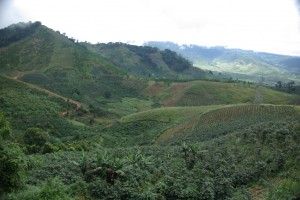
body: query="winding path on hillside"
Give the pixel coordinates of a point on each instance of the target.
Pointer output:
(50, 93)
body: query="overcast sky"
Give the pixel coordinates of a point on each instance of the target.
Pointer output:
(261, 25)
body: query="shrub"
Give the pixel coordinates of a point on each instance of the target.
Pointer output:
(288, 189)
(54, 189)
(12, 168)
(35, 136)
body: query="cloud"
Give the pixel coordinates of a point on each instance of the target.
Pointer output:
(268, 25)
(9, 13)
(298, 5)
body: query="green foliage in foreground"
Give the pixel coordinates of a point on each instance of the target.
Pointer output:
(12, 161)
(223, 167)
(12, 168)
(52, 189)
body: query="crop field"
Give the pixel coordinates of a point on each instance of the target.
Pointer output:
(224, 120)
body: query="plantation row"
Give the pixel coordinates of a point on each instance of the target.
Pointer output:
(222, 121)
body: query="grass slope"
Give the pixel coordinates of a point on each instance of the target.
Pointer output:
(196, 93)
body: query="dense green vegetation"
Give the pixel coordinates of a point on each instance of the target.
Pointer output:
(227, 166)
(118, 121)
(28, 107)
(12, 160)
(147, 61)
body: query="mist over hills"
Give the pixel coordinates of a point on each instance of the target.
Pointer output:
(236, 61)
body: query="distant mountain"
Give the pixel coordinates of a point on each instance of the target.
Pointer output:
(237, 61)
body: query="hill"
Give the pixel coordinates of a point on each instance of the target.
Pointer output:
(55, 62)
(238, 63)
(147, 61)
(84, 72)
(34, 47)
(173, 125)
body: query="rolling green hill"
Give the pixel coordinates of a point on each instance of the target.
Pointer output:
(84, 72)
(191, 124)
(55, 62)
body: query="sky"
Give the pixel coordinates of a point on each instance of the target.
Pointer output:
(260, 25)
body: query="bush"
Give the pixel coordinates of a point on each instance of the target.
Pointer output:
(35, 136)
(288, 189)
(31, 193)
(5, 130)
(12, 168)
(35, 139)
(13, 164)
(54, 189)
